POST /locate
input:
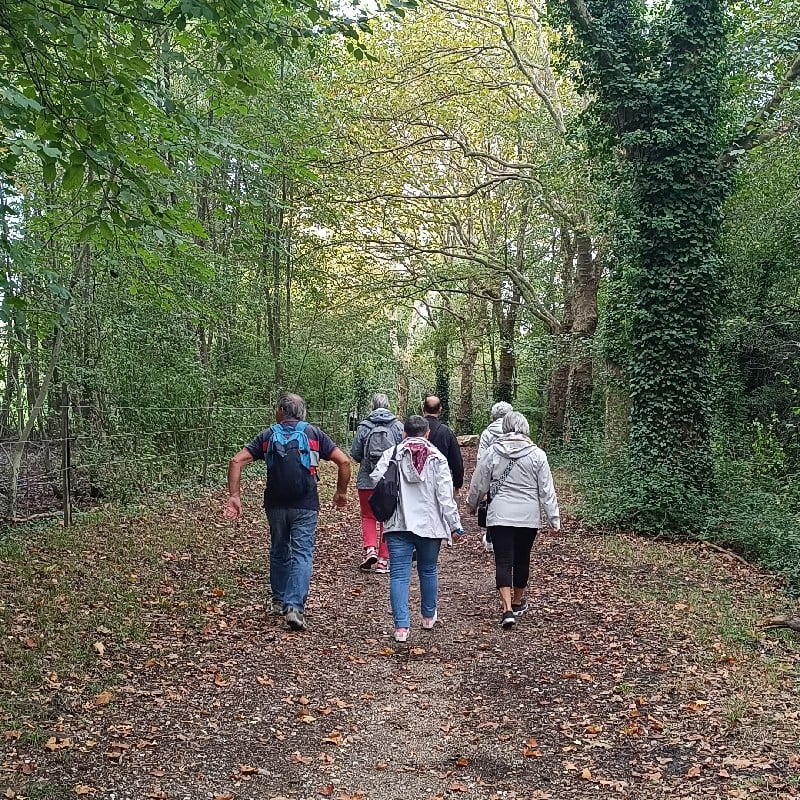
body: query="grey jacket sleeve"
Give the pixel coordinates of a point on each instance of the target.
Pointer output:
(547, 495)
(357, 448)
(479, 484)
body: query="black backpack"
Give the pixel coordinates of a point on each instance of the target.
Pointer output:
(385, 496)
(289, 466)
(380, 438)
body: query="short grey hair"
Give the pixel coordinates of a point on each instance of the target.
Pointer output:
(416, 426)
(292, 405)
(379, 400)
(501, 409)
(514, 422)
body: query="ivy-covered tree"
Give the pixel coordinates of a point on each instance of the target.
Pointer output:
(657, 76)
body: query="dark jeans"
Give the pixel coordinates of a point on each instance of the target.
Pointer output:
(512, 554)
(291, 552)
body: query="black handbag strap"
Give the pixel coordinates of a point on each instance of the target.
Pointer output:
(494, 486)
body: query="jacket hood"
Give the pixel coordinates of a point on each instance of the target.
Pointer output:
(412, 449)
(381, 416)
(514, 445)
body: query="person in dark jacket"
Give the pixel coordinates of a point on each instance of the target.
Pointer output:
(380, 430)
(444, 440)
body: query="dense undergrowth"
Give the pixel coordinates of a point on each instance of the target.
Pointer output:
(753, 508)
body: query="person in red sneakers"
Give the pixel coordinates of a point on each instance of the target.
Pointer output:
(381, 430)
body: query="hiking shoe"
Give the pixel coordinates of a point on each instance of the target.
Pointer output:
(519, 608)
(429, 622)
(370, 557)
(401, 634)
(487, 544)
(508, 620)
(276, 609)
(296, 620)
(382, 566)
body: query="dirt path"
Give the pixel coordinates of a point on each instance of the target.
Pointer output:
(639, 672)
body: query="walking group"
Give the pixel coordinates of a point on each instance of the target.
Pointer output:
(416, 464)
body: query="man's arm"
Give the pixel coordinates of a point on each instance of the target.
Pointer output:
(233, 509)
(342, 477)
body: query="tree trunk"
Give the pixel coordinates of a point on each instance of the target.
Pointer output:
(12, 377)
(572, 380)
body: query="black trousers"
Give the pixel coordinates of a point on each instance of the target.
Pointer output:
(512, 554)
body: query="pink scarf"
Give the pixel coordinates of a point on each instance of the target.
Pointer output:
(419, 455)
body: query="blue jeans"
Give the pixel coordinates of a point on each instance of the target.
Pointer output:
(291, 551)
(401, 547)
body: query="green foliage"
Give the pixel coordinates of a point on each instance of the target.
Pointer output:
(757, 511)
(657, 81)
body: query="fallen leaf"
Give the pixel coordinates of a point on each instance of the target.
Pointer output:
(104, 698)
(334, 737)
(83, 789)
(99, 648)
(586, 774)
(326, 791)
(246, 769)
(57, 743)
(693, 772)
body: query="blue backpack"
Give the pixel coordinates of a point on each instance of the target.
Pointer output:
(289, 465)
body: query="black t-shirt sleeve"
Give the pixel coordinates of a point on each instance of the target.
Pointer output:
(256, 447)
(326, 444)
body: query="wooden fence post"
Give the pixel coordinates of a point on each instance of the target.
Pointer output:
(65, 457)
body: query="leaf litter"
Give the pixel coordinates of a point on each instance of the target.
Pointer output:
(640, 671)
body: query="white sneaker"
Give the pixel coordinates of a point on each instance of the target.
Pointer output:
(429, 622)
(487, 545)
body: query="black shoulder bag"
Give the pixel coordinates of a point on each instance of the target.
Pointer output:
(386, 495)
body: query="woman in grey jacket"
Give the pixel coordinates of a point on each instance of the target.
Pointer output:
(378, 432)
(517, 476)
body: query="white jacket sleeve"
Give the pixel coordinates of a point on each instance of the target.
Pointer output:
(382, 465)
(547, 495)
(444, 497)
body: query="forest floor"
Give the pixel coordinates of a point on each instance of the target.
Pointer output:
(139, 662)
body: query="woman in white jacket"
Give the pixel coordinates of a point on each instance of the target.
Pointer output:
(515, 473)
(425, 516)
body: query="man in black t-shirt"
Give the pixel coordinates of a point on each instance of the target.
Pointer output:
(444, 440)
(292, 521)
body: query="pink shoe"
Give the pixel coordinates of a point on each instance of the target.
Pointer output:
(370, 557)
(401, 634)
(382, 566)
(429, 622)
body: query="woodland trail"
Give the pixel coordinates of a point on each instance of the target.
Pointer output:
(639, 672)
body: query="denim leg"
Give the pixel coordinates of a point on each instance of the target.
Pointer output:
(428, 571)
(302, 525)
(401, 546)
(278, 552)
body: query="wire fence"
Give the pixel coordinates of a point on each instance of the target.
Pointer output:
(124, 453)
